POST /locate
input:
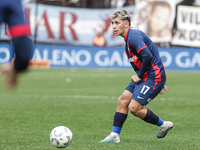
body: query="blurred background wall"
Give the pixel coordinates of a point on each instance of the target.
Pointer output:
(63, 31)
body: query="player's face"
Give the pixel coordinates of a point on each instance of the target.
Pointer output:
(120, 26)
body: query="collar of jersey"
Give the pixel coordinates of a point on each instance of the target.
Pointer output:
(127, 34)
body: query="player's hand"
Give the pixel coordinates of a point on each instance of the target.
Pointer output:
(135, 78)
(10, 75)
(164, 88)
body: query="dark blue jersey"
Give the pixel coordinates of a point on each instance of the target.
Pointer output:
(144, 56)
(11, 12)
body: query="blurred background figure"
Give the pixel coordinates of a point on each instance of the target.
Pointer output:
(11, 12)
(99, 40)
(129, 2)
(158, 23)
(156, 18)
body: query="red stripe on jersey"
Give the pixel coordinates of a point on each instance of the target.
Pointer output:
(137, 63)
(145, 76)
(157, 72)
(154, 86)
(142, 48)
(130, 53)
(19, 30)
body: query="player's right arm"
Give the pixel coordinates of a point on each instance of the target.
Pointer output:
(137, 42)
(146, 61)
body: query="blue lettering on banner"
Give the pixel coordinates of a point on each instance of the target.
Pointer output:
(174, 58)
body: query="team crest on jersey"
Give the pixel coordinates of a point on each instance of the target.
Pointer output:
(133, 57)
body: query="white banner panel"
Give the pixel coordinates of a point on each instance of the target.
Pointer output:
(188, 27)
(155, 18)
(74, 26)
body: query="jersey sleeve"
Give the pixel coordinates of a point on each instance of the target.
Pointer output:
(146, 61)
(137, 42)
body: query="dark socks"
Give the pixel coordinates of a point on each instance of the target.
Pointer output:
(152, 118)
(119, 119)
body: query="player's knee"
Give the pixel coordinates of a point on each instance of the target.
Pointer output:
(133, 110)
(122, 101)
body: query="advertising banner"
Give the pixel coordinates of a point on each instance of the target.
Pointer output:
(188, 26)
(73, 26)
(176, 58)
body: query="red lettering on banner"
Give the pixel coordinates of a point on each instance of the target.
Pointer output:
(46, 23)
(62, 25)
(107, 22)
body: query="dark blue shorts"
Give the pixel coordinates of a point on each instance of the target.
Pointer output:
(145, 91)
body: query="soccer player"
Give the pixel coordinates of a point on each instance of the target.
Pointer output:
(11, 12)
(148, 82)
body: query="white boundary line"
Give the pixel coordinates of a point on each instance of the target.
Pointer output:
(62, 96)
(76, 96)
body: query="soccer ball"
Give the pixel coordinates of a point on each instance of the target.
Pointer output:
(61, 136)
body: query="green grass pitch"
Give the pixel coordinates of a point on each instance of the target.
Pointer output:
(85, 101)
